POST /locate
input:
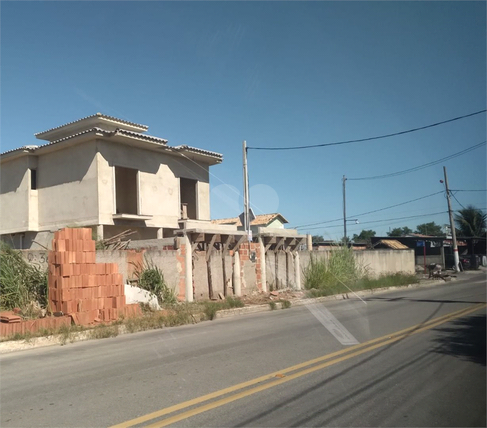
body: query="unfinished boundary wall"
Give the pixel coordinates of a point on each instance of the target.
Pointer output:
(244, 269)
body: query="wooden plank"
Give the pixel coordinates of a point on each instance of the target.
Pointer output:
(279, 244)
(239, 242)
(210, 248)
(224, 246)
(197, 237)
(208, 270)
(276, 253)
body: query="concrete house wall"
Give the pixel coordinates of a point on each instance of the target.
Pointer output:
(105, 173)
(15, 195)
(67, 187)
(158, 183)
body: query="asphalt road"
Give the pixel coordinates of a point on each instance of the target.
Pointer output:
(414, 358)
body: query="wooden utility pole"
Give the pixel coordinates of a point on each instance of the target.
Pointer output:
(456, 258)
(344, 213)
(246, 213)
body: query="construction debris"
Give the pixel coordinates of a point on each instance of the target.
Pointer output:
(118, 242)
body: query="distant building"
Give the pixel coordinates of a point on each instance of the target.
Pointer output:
(106, 173)
(261, 222)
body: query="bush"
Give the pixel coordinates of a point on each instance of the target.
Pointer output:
(210, 308)
(329, 276)
(150, 277)
(286, 304)
(388, 280)
(20, 282)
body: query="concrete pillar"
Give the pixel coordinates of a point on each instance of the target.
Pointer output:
(309, 242)
(188, 270)
(159, 233)
(237, 281)
(297, 271)
(99, 232)
(263, 266)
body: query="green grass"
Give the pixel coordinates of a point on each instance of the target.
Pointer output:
(104, 331)
(340, 273)
(210, 308)
(151, 278)
(21, 283)
(285, 304)
(367, 283)
(272, 305)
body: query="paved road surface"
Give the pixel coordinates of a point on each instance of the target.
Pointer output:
(281, 368)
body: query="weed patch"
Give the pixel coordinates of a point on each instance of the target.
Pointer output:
(104, 331)
(286, 304)
(21, 283)
(150, 277)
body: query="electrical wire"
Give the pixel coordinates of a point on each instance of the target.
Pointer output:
(417, 168)
(370, 212)
(393, 220)
(386, 219)
(454, 197)
(369, 138)
(483, 190)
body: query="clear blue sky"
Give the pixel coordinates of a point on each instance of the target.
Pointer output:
(211, 74)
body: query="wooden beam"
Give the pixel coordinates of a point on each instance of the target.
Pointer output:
(279, 244)
(239, 242)
(224, 248)
(197, 237)
(210, 248)
(271, 241)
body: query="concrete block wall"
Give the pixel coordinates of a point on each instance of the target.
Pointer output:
(250, 271)
(377, 262)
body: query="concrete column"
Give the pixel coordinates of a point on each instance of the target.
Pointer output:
(159, 233)
(309, 242)
(188, 269)
(237, 282)
(297, 271)
(262, 265)
(99, 232)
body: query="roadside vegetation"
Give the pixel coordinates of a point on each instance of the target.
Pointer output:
(341, 273)
(22, 285)
(150, 277)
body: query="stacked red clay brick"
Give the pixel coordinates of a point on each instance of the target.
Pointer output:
(78, 286)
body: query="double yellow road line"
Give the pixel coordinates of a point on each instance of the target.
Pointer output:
(244, 389)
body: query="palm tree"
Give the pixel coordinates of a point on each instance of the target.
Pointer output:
(471, 221)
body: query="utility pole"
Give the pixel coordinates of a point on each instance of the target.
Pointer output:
(344, 213)
(452, 226)
(246, 224)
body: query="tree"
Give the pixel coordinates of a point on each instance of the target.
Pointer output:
(431, 229)
(471, 221)
(317, 238)
(365, 235)
(400, 231)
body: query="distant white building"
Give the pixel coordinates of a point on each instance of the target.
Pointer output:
(106, 173)
(261, 222)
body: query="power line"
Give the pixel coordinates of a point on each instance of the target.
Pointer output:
(369, 138)
(417, 168)
(454, 197)
(384, 220)
(370, 212)
(394, 220)
(483, 190)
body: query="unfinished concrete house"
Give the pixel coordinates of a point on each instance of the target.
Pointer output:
(105, 173)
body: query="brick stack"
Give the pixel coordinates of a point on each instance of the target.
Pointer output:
(21, 327)
(78, 286)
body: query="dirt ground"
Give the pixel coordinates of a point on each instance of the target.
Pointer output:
(260, 298)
